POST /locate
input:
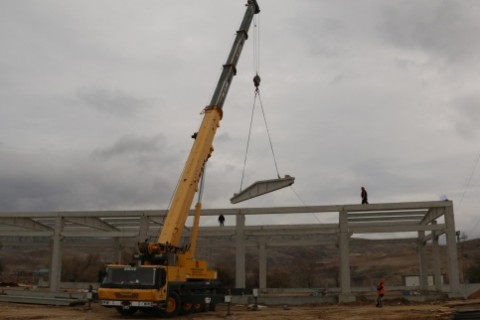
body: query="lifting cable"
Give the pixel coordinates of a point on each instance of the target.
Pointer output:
(256, 82)
(465, 190)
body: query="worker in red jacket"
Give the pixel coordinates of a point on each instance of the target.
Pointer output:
(380, 293)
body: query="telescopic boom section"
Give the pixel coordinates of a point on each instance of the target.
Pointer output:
(203, 145)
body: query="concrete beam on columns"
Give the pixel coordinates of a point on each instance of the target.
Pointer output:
(432, 215)
(91, 222)
(392, 227)
(25, 223)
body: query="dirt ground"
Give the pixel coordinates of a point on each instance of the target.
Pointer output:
(392, 310)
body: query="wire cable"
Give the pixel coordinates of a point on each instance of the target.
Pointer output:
(303, 202)
(465, 191)
(256, 43)
(268, 133)
(248, 140)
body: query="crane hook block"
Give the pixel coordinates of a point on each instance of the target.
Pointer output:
(256, 81)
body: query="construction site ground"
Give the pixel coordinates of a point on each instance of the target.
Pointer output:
(355, 311)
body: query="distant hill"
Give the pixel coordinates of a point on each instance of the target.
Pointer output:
(310, 266)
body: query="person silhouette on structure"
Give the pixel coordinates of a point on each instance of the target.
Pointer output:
(364, 195)
(221, 220)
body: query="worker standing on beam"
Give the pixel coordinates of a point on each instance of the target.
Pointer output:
(221, 220)
(364, 196)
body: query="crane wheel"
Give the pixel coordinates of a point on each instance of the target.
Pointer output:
(173, 305)
(197, 307)
(186, 308)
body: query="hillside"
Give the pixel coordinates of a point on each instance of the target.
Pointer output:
(312, 266)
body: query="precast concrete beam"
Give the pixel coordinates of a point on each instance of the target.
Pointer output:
(434, 234)
(389, 228)
(432, 215)
(25, 223)
(95, 223)
(26, 233)
(100, 234)
(416, 219)
(105, 214)
(246, 211)
(300, 229)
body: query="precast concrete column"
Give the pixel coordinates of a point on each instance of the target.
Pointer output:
(422, 255)
(262, 263)
(143, 228)
(344, 258)
(452, 256)
(117, 248)
(437, 274)
(240, 251)
(55, 272)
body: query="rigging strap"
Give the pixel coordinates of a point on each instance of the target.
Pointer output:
(257, 96)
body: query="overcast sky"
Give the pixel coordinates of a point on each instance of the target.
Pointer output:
(98, 100)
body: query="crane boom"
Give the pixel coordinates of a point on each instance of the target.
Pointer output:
(229, 68)
(202, 147)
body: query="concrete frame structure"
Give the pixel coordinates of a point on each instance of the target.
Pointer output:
(429, 220)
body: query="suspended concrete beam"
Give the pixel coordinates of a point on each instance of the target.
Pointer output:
(262, 187)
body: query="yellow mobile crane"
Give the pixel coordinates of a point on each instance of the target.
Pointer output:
(167, 277)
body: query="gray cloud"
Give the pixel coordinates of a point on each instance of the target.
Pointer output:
(76, 183)
(132, 146)
(468, 108)
(97, 105)
(112, 101)
(442, 29)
